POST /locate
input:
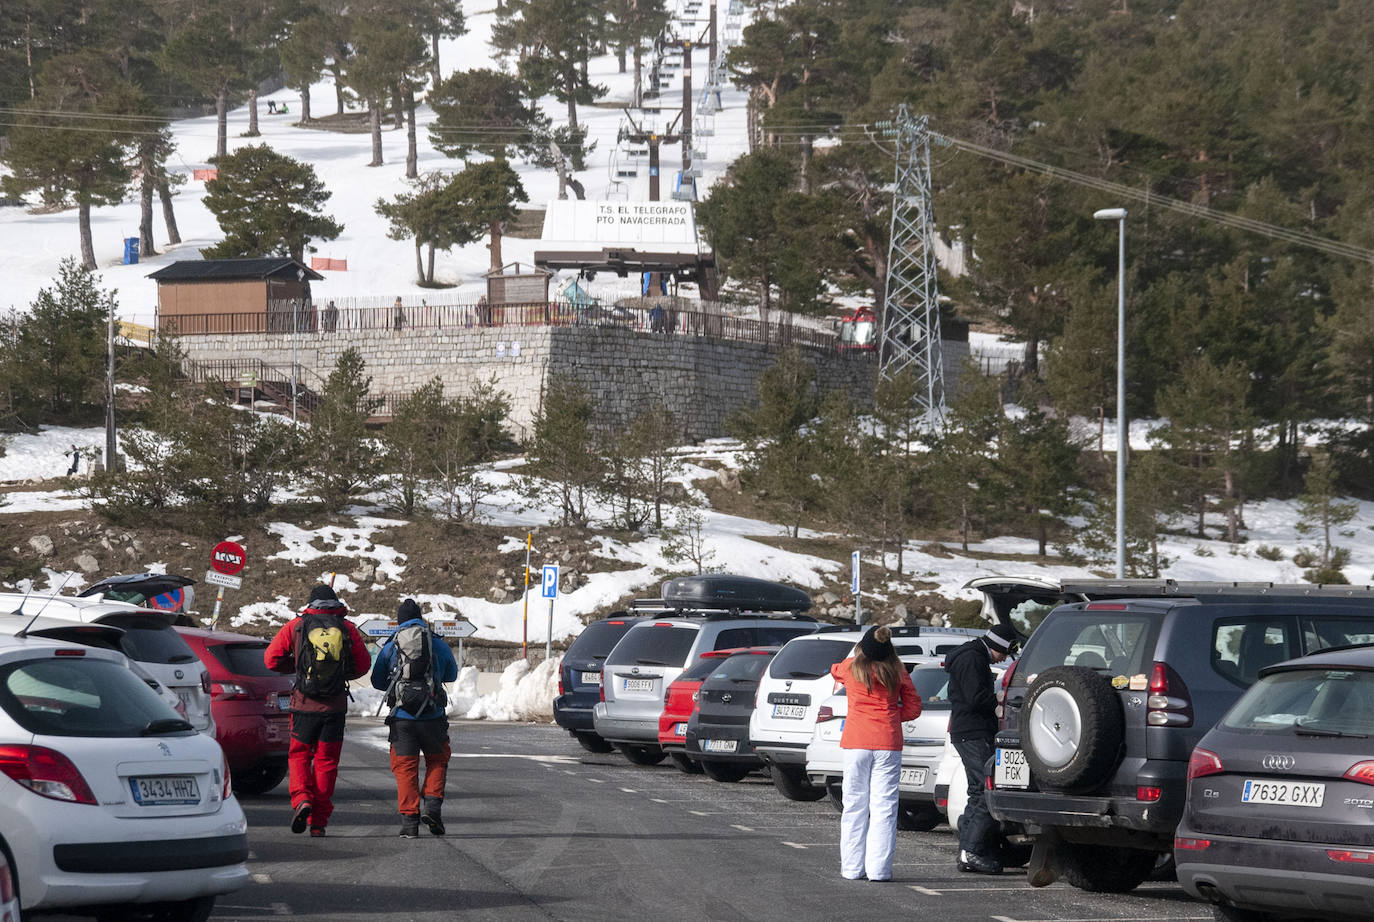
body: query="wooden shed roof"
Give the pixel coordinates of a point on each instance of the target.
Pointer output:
(198, 270)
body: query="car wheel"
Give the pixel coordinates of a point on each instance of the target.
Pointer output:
(593, 743)
(1104, 869)
(724, 771)
(687, 766)
(641, 755)
(1073, 728)
(917, 817)
(792, 782)
(258, 780)
(836, 791)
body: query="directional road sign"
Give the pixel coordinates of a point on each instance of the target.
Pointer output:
(550, 584)
(453, 628)
(377, 627)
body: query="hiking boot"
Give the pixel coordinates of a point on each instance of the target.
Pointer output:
(410, 826)
(316, 832)
(431, 815)
(977, 864)
(301, 818)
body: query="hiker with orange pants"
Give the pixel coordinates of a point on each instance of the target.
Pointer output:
(412, 668)
(324, 650)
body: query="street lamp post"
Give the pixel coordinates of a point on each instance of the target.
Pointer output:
(1119, 215)
(295, 334)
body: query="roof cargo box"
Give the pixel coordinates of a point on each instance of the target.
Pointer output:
(735, 593)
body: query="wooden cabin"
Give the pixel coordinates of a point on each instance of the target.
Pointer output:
(234, 295)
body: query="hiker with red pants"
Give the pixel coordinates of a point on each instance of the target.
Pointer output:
(324, 650)
(412, 668)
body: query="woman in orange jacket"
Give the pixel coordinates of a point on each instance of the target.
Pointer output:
(881, 697)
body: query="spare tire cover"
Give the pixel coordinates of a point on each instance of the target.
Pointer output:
(1072, 728)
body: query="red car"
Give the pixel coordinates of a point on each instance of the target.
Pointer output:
(681, 700)
(250, 704)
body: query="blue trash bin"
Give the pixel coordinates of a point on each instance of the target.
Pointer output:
(130, 251)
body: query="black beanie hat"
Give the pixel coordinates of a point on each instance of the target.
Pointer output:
(407, 611)
(875, 649)
(322, 592)
(1001, 637)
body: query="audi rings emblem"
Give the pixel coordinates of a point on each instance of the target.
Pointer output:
(1278, 763)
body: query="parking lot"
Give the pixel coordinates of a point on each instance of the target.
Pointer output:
(539, 829)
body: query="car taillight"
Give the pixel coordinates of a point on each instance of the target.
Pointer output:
(1204, 762)
(1363, 772)
(1006, 682)
(1168, 704)
(825, 713)
(1350, 855)
(228, 786)
(229, 691)
(6, 885)
(1184, 844)
(205, 681)
(1148, 794)
(45, 772)
(601, 689)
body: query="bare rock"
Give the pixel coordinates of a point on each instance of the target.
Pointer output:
(86, 563)
(827, 599)
(365, 573)
(901, 614)
(499, 595)
(729, 479)
(42, 545)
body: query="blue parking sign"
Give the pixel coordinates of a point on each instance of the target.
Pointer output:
(549, 587)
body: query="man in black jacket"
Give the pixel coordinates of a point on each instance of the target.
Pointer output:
(972, 726)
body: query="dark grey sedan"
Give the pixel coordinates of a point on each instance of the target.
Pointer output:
(1279, 821)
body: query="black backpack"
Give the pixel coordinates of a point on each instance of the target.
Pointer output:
(320, 650)
(413, 686)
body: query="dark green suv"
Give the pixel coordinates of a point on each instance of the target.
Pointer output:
(1104, 707)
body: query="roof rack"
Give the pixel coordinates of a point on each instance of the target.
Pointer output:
(1202, 589)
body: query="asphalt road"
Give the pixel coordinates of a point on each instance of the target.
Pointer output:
(539, 829)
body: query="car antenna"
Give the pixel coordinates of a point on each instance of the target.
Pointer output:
(24, 631)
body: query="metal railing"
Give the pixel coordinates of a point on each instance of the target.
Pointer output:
(663, 316)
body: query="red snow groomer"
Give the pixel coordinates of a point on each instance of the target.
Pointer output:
(859, 331)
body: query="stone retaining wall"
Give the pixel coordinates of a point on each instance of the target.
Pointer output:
(701, 381)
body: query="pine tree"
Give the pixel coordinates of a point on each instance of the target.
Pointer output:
(780, 458)
(962, 476)
(1039, 468)
(266, 204)
(484, 112)
(61, 347)
(552, 41)
(484, 197)
(564, 451)
(340, 458)
(85, 167)
(1321, 512)
(411, 442)
(390, 58)
(429, 215)
(208, 53)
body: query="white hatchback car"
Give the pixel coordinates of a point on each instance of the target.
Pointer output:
(798, 680)
(108, 797)
(148, 640)
(825, 758)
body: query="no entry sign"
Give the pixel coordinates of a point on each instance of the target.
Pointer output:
(228, 558)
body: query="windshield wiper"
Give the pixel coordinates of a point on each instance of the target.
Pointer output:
(1303, 730)
(165, 725)
(651, 662)
(797, 674)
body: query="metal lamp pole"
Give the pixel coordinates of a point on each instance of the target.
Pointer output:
(1119, 215)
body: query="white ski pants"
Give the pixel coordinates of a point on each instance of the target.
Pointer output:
(868, 827)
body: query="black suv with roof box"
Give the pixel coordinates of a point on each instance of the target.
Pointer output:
(1106, 704)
